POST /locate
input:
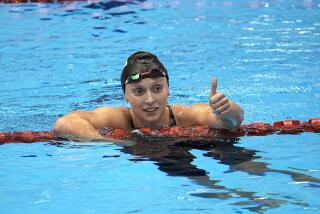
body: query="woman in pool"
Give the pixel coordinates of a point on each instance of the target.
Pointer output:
(145, 83)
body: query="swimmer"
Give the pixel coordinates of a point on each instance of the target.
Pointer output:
(145, 84)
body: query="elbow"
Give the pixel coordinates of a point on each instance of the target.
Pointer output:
(234, 122)
(238, 120)
(65, 124)
(60, 127)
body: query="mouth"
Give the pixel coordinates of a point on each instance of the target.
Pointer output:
(149, 110)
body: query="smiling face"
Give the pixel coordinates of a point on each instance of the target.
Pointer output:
(148, 101)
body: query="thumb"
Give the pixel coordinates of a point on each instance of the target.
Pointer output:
(214, 84)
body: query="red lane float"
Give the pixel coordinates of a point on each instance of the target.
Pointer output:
(26, 136)
(188, 133)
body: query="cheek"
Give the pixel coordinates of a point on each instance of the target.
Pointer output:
(166, 90)
(133, 101)
(164, 95)
(163, 100)
(128, 96)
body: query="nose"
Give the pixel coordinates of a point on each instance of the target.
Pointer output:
(149, 98)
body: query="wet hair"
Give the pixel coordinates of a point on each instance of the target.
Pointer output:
(141, 62)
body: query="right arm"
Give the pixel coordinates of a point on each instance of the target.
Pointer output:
(82, 125)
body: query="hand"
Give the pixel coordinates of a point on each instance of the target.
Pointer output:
(218, 102)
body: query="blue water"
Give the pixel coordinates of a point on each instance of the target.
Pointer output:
(56, 58)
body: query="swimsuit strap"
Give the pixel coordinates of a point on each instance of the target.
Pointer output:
(131, 121)
(172, 119)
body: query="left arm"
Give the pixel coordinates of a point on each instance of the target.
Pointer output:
(228, 113)
(229, 119)
(220, 112)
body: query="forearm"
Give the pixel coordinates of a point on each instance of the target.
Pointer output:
(76, 128)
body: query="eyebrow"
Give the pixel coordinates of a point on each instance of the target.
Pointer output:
(138, 84)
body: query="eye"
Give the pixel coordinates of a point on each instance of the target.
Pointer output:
(138, 91)
(157, 88)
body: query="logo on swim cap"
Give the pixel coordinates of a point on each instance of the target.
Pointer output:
(135, 77)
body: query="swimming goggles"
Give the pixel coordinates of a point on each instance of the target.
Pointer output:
(154, 73)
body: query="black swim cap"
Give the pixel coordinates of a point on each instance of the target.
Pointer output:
(141, 62)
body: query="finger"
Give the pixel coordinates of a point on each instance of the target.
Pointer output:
(220, 103)
(217, 97)
(222, 109)
(214, 84)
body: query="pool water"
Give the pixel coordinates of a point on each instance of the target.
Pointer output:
(56, 58)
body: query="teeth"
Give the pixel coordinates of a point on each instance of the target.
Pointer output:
(150, 109)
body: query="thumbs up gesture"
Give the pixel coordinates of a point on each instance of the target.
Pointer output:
(218, 102)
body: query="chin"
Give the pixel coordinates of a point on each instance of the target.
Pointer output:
(151, 117)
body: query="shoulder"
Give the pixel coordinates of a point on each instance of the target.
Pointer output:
(190, 115)
(105, 110)
(117, 117)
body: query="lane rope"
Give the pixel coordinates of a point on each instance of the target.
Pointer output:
(188, 133)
